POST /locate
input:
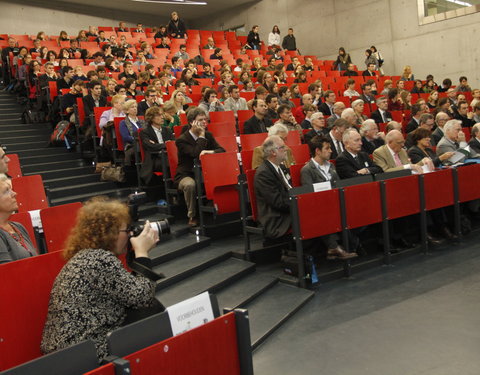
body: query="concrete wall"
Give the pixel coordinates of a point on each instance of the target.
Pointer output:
(445, 49)
(30, 18)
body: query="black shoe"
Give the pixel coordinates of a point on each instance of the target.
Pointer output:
(361, 250)
(449, 235)
(432, 240)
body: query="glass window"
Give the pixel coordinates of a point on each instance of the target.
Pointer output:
(439, 10)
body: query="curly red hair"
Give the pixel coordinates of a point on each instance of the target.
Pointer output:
(97, 227)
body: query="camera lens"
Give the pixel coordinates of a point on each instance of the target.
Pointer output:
(160, 226)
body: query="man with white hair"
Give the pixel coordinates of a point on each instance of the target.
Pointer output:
(371, 137)
(475, 140)
(338, 108)
(393, 125)
(271, 190)
(353, 162)
(440, 119)
(392, 156)
(335, 136)
(453, 139)
(381, 115)
(258, 157)
(298, 113)
(348, 114)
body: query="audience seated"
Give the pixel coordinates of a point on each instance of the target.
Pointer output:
(129, 128)
(318, 127)
(371, 137)
(453, 139)
(258, 123)
(335, 135)
(278, 130)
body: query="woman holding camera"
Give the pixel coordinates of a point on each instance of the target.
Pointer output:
(93, 292)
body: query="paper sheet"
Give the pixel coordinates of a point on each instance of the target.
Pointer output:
(190, 313)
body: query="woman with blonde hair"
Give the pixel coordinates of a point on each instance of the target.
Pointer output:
(178, 101)
(407, 74)
(129, 127)
(432, 100)
(93, 293)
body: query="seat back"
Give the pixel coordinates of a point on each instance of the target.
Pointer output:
(301, 153)
(118, 136)
(398, 203)
(293, 138)
(468, 177)
(81, 111)
(172, 154)
(14, 168)
(97, 112)
(57, 223)
(25, 284)
(224, 116)
(431, 183)
(244, 115)
(310, 204)
(25, 219)
(74, 360)
(250, 141)
(52, 90)
(360, 211)
(247, 157)
(296, 175)
(228, 143)
(220, 175)
(177, 130)
(30, 193)
(225, 129)
(251, 192)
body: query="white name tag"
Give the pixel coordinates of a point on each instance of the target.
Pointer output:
(190, 313)
(36, 221)
(322, 186)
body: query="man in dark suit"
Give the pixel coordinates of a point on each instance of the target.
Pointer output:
(258, 123)
(92, 100)
(327, 107)
(67, 81)
(475, 140)
(335, 135)
(371, 137)
(417, 111)
(318, 127)
(271, 191)
(153, 139)
(317, 170)
(367, 96)
(191, 145)
(370, 72)
(427, 122)
(381, 115)
(353, 162)
(440, 119)
(350, 72)
(464, 115)
(149, 102)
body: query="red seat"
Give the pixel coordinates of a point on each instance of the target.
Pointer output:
(81, 111)
(251, 192)
(118, 136)
(398, 203)
(52, 90)
(172, 154)
(301, 153)
(397, 116)
(228, 143)
(250, 141)
(247, 95)
(226, 129)
(309, 205)
(247, 157)
(25, 286)
(25, 219)
(293, 138)
(468, 178)
(244, 115)
(220, 176)
(14, 169)
(57, 222)
(30, 193)
(295, 174)
(224, 116)
(432, 181)
(360, 211)
(97, 111)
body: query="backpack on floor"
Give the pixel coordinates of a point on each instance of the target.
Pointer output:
(59, 135)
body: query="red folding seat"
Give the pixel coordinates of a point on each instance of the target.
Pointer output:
(224, 129)
(223, 116)
(14, 168)
(301, 153)
(229, 143)
(57, 222)
(97, 112)
(30, 193)
(250, 141)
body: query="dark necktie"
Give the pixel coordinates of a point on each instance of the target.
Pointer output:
(262, 126)
(356, 159)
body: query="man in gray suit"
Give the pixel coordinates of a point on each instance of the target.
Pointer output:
(271, 190)
(338, 108)
(319, 169)
(453, 139)
(440, 119)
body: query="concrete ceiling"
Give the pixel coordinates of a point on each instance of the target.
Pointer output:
(187, 12)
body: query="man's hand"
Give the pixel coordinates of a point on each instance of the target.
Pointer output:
(446, 155)
(417, 168)
(363, 171)
(205, 152)
(198, 129)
